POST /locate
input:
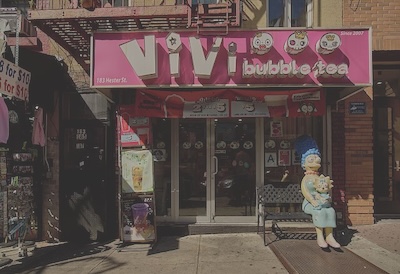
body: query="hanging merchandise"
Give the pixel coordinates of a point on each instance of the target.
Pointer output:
(22, 222)
(38, 136)
(19, 125)
(4, 122)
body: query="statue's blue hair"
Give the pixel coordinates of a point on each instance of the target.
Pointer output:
(311, 151)
(305, 145)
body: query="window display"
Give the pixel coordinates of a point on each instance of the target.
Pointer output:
(280, 158)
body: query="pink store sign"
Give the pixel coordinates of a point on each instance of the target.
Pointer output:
(284, 57)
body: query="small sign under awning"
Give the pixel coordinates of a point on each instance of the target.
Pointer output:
(358, 108)
(14, 81)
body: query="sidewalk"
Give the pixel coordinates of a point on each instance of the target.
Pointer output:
(204, 254)
(378, 244)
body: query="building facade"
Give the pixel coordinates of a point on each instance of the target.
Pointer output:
(207, 168)
(383, 17)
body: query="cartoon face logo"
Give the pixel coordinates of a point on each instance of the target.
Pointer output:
(328, 43)
(262, 43)
(296, 42)
(307, 108)
(186, 145)
(221, 145)
(234, 145)
(160, 145)
(158, 155)
(284, 144)
(198, 145)
(248, 145)
(269, 144)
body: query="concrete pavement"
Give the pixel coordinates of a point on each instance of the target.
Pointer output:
(217, 253)
(209, 253)
(378, 243)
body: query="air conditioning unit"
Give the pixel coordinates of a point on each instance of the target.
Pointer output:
(12, 16)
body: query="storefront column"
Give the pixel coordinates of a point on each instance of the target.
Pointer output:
(355, 166)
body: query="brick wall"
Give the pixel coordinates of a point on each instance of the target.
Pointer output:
(382, 15)
(50, 185)
(338, 165)
(51, 231)
(357, 135)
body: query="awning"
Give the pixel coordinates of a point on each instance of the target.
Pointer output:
(226, 103)
(48, 76)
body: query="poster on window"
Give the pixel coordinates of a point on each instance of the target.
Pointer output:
(296, 158)
(137, 171)
(138, 217)
(284, 157)
(270, 159)
(276, 129)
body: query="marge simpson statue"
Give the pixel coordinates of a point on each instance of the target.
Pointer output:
(324, 217)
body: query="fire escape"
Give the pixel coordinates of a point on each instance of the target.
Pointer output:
(71, 24)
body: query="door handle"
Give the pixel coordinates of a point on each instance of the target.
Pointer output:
(215, 165)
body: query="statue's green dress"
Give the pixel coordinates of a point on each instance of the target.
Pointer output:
(323, 217)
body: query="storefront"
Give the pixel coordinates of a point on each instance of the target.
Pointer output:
(19, 159)
(220, 114)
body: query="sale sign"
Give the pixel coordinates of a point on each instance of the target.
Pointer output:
(14, 81)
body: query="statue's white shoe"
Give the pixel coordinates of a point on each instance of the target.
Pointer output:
(321, 242)
(332, 242)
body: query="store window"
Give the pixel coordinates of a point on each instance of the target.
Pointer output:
(289, 13)
(281, 162)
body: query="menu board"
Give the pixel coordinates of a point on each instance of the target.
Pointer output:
(138, 219)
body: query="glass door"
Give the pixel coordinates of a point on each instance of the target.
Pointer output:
(233, 149)
(192, 190)
(216, 160)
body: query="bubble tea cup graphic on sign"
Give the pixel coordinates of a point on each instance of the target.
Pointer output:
(173, 106)
(277, 105)
(139, 215)
(137, 178)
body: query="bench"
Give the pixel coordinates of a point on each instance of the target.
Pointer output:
(280, 201)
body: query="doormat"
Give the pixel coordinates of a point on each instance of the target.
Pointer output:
(303, 255)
